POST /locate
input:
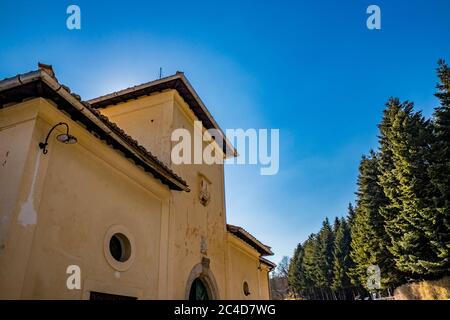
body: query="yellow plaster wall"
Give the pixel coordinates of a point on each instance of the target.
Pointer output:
(244, 265)
(189, 219)
(75, 194)
(16, 170)
(148, 120)
(264, 283)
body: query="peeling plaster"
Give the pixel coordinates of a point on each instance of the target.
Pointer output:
(28, 215)
(6, 158)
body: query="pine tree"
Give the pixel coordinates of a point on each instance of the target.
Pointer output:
(410, 219)
(307, 281)
(369, 241)
(356, 288)
(295, 270)
(341, 259)
(336, 225)
(324, 259)
(350, 214)
(441, 146)
(439, 170)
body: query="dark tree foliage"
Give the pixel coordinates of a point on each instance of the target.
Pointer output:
(342, 262)
(350, 214)
(439, 170)
(324, 257)
(307, 282)
(411, 219)
(370, 241)
(295, 271)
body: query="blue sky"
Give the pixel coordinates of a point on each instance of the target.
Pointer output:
(310, 68)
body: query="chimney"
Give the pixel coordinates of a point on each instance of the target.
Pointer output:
(47, 68)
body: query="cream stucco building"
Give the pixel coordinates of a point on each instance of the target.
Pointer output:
(112, 207)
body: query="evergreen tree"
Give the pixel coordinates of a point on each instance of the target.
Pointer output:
(341, 259)
(295, 270)
(309, 267)
(356, 287)
(324, 258)
(439, 170)
(369, 241)
(336, 225)
(441, 146)
(350, 215)
(410, 219)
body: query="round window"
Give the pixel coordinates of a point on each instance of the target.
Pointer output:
(120, 247)
(245, 288)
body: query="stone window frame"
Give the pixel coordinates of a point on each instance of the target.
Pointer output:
(246, 295)
(118, 265)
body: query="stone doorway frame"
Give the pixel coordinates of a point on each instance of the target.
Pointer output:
(203, 272)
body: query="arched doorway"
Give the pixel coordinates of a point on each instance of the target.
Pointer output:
(201, 284)
(198, 291)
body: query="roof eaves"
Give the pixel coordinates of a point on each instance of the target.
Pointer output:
(178, 82)
(250, 239)
(142, 156)
(268, 263)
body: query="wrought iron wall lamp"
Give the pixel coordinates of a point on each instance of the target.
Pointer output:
(64, 137)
